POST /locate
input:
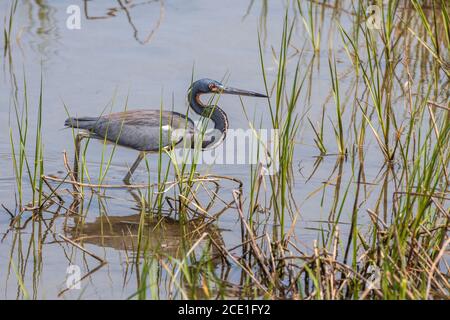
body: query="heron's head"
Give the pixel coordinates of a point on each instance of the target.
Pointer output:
(204, 86)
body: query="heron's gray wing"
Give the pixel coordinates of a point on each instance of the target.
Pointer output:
(144, 130)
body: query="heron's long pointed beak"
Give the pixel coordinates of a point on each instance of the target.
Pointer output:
(229, 90)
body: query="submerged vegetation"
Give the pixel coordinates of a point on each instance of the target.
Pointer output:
(379, 180)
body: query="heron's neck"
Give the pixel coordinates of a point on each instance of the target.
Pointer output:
(216, 115)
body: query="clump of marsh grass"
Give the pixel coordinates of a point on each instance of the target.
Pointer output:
(21, 162)
(285, 121)
(309, 20)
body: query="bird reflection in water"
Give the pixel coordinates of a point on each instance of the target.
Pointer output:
(151, 234)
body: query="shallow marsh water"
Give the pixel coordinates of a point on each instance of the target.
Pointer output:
(139, 58)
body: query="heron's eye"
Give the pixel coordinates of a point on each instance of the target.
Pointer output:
(212, 87)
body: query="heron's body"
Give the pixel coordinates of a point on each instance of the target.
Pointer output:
(142, 130)
(153, 130)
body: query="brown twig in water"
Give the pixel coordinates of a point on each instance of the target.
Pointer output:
(82, 248)
(105, 186)
(70, 172)
(434, 104)
(8, 212)
(253, 244)
(434, 265)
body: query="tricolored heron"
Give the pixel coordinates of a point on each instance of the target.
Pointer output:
(150, 130)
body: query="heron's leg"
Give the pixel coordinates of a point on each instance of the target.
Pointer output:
(80, 136)
(136, 163)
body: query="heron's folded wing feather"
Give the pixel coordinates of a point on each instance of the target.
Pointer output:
(144, 130)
